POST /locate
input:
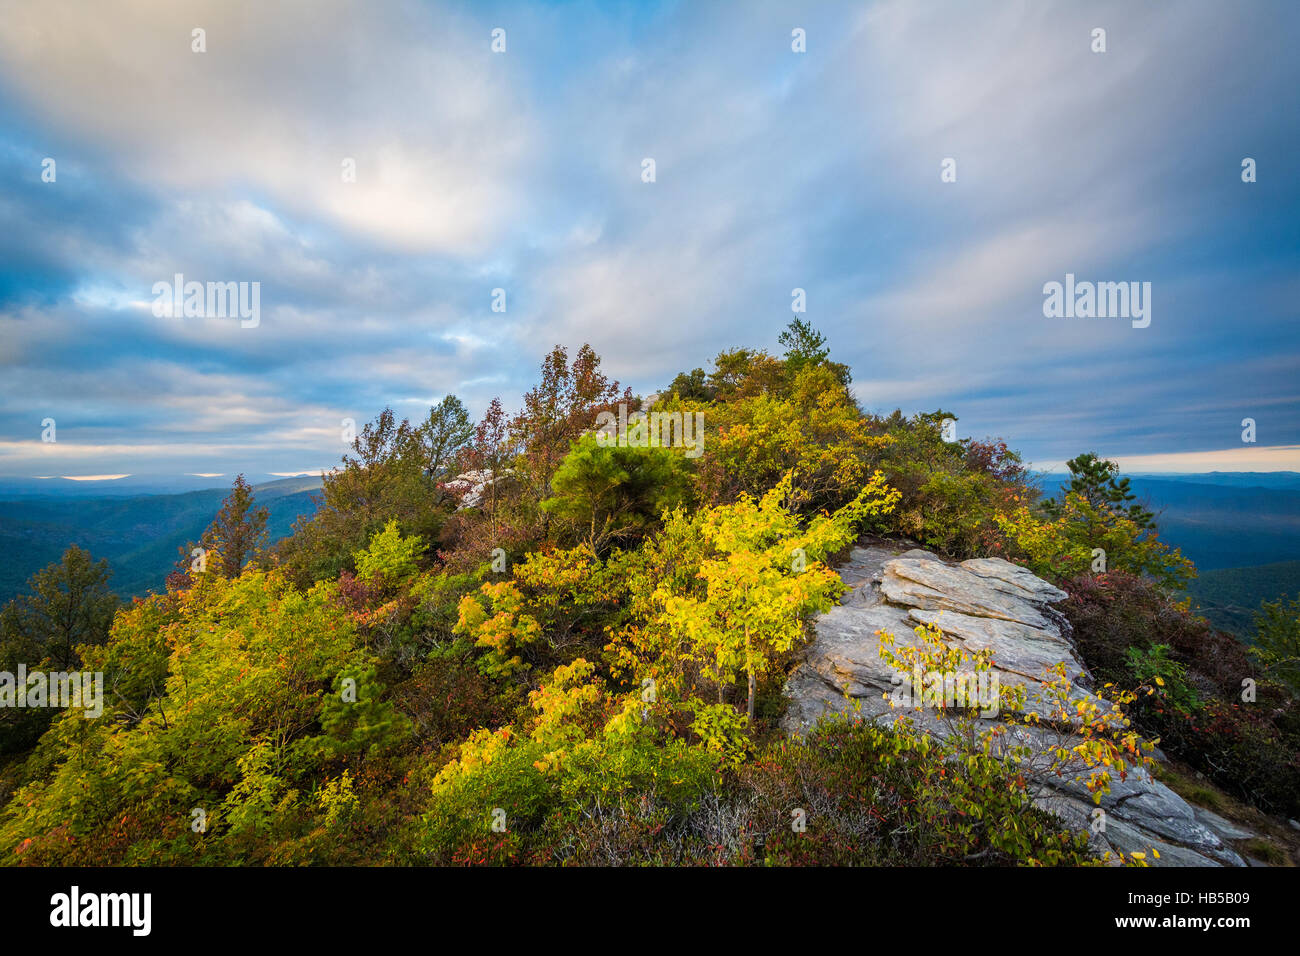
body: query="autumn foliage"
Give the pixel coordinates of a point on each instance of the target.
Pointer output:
(580, 662)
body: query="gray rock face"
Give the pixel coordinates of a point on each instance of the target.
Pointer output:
(932, 585)
(1223, 827)
(986, 603)
(471, 488)
(1014, 579)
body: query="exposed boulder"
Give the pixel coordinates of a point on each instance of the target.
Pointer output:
(932, 585)
(991, 604)
(471, 488)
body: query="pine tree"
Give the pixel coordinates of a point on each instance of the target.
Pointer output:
(803, 344)
(1095, 479)
(237, 534)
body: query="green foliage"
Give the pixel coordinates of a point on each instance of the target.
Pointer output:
(763, 575)
(723, 730)
(444, 435)
(557, 599)
(571, 592)
(356, 718)
(69, 604)
(135, 657)
(259, 793)
(875, 796)
(813, 430)
(447, 696)
(386, 692)
(1097, 481)
(391, 558)
(1081, 533)
(556, 412)
(247, 712)
(495, 619)
(613, 493)
(1277, 640)
(67, 610)
(237, 534)
(805, 346)
(1046, 729)
(692, 386)
(743, 373)
(580, 746)
(849, 794)
(338, 800)
(437, 597)
(1093, 525)
(389, 476)
(951, 491)
(1129, 632)
(1154, 666)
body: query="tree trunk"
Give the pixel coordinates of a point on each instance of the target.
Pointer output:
(749, 669)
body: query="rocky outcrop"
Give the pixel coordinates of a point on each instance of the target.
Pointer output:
(991, 604)
(471, 488)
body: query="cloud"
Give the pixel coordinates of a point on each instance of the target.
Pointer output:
(283, 94)
(522, 171)
(1247, 458)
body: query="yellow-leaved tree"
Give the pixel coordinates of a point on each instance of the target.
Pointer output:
(763, 575)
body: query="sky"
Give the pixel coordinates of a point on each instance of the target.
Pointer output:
(524, 170)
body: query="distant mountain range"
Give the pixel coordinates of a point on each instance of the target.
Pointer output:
(140, 534)
(1241, 529)
(1221, 520)
(1235, 479)
(74, 487)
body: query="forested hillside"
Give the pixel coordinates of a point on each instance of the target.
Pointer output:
(138, 534)
(560, 635)
(1230, 597)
